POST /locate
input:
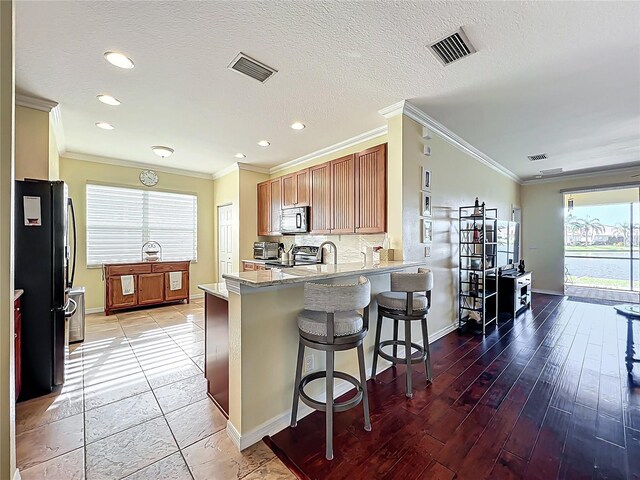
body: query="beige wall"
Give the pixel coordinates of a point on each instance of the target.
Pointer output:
(457, 179)
(7, 393)
(77, 174)
(53, 157)
(32, 143)
(248, 194)
(543, 226)
(226, 191)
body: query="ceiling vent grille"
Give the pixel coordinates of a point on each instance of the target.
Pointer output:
(452, 48)
(535, 158)
(252, 68)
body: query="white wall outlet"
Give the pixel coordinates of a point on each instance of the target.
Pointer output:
(308, 363)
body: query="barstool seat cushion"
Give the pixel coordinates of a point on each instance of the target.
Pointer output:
(398, 301)
(344, 323)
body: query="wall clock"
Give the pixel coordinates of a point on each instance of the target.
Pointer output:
(148, 178)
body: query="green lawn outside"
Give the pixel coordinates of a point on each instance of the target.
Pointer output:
(603, 283)
(596, 248)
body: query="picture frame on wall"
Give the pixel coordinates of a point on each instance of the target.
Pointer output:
(426, 204)
(426, 179)
(427, 231)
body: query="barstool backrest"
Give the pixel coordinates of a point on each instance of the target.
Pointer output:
(337, 298)
(412, 282)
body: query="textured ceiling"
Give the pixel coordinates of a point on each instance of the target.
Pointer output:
(555, 77)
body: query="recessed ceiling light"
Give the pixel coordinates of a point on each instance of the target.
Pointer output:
(104, 125)
(108, 99)
(161, 151)
(240, 155)
(118, 59)
(298, 126)
(263, 143)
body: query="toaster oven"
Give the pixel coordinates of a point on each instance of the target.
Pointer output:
(265, 250)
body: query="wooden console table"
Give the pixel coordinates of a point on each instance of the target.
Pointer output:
(151, 284)
(514, 293)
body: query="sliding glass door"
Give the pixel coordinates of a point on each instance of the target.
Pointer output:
(602, 258)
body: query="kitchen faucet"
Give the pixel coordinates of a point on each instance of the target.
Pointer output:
(335, 252)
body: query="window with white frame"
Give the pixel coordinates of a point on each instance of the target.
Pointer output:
(120, 220)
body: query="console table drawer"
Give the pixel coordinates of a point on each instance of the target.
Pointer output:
(524, 280)
(127, 269)
(171, 267)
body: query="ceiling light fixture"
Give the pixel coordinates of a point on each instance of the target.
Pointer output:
(162, 152)
(263, 143)
(298, 126)
(240, 155)
(109, 100)
(118, 59)
(104, 125)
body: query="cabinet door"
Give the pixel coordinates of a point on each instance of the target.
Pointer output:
(371, 190)
(289, 191)
(343, 217)
(150, 288)
(264, 208)
(116, 298)
(248, 266)
(320, 198)
(276, 205)
(302, 188)
(179, 294)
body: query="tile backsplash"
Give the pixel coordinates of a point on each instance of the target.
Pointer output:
(349, 246)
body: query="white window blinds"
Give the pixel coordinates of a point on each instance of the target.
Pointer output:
(120, 220)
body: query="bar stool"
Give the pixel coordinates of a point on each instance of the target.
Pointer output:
(405, 302)
(331, 323)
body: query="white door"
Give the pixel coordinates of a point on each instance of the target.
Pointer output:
(225, 244)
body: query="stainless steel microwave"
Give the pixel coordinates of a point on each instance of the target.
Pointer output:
(294, 220)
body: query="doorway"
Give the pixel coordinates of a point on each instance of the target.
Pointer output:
(225, 240)
(601, 243)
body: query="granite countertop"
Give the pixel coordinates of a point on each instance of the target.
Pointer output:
(256, 260)
(305, 273)
(217, 289)
(17, 294)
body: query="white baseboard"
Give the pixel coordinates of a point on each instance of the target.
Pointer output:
(195, 296)
(280, 422)
(16, 475)
(548, 292)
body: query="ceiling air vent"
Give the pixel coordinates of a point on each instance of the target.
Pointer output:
(535, 158)
(452, 48)
(252, 68)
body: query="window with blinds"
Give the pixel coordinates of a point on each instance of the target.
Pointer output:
(120, 220)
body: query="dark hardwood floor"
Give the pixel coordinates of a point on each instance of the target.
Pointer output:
(544, 397)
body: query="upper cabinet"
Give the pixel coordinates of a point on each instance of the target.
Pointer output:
(371, 190)
(295, 189)
(346, 195)
(264, 208)
(320, 195)
(343, 213)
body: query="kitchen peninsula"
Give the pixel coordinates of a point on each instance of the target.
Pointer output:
(263, 340)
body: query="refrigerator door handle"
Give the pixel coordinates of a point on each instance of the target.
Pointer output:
(75, 242)
(74, 306)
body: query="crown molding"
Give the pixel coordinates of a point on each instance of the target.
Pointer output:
(133, 164)
(363, 137)
(58, 129)
(405, 108)
(239, 166)
(593, 173)
(36, 103)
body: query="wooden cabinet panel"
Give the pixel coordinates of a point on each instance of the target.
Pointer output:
(115, 297)
(289, 191)
(216, 348)
(320, 198)
(371, 190)
(181, 293)
(276, 205)
(128, 269)
(150, 288)
(248, 266)
(343, 216)
(264, 208)
(170, 267)
(17, 328)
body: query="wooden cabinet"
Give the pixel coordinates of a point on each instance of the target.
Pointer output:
(151, 284)
(371, 190)
(320, 198)
(276, 206)
(17, 328)
(346, 195)
(253, 266)
(343, 213)
(295, 189)
(216, 348)
(150, 288)
(264, 208)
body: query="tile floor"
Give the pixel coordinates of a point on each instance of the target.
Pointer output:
(134, 405)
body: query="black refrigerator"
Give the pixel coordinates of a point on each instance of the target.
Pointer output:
(44, 269)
